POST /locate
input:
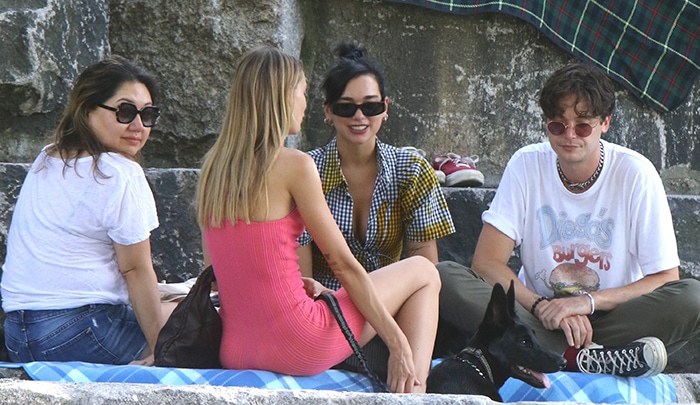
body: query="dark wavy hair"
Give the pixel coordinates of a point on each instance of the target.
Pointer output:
(353, 63)
(587, 83)
(95, 85)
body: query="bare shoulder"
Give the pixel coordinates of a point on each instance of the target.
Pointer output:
(294, 163)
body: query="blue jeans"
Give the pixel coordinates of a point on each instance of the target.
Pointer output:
(99, 333)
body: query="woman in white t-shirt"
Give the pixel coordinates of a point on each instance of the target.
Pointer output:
(78, 283)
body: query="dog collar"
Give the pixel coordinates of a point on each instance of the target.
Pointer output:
(479, 356)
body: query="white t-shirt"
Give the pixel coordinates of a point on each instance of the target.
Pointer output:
(60, 251)
(614, 233)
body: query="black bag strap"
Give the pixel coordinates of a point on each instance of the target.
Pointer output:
(338, 314)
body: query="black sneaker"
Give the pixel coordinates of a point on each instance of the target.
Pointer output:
(645, 357)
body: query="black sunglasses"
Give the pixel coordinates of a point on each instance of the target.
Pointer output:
(348, 110)
(557, 128)
(127, 112)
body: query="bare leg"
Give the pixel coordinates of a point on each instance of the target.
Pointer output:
(167, 308)
(409, 289)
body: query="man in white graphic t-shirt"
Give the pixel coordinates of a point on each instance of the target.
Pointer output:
(599, 280)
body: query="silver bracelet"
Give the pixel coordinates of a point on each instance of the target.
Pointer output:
(590, 297)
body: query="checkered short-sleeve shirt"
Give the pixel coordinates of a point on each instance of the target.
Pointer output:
(407, 202)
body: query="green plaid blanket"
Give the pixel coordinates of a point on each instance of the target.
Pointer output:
(650, 46)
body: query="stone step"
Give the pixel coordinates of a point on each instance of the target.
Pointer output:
(176, 243)
(15, 391)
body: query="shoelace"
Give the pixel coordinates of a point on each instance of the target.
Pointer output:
(611, 361)
(412, 149)
(465, 161)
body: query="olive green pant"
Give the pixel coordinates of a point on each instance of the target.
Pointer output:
(670, 313)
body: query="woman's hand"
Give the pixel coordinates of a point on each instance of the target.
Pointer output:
(314, 288)
(146, 361)
(401, 376)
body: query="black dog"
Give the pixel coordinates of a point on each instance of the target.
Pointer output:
(502, 347)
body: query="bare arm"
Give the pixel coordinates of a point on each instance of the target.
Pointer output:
(490, 261)
(569, 314)
(609, 299)
(136, 267)
(305, 261)
(426, 249)
(605, 300)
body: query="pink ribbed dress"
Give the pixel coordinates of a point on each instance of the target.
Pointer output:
(269, 322)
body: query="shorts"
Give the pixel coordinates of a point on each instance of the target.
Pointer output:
(98, 333)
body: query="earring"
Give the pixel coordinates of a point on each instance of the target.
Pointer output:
(386, 117)
(328, 121)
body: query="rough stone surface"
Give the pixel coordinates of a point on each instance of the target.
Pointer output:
(14, 391)
(469, 84)
(193, 48)
(176, 244)
(687, 388)
(456, 83)
(44, 45)
(39, 393)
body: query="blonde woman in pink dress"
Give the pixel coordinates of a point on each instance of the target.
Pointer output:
(254, 198)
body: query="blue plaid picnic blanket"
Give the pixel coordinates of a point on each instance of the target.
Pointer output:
(75, 371)
(649, 46)
(579, 387)
(565, 386)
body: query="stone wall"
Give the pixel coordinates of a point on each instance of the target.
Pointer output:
(44, 45)
(456, 83)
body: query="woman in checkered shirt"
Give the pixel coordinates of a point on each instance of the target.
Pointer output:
(386, 200)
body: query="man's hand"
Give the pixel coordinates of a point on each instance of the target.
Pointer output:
(570, 315)
(578, 331)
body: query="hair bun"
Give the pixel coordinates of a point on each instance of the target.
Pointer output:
(351, 51)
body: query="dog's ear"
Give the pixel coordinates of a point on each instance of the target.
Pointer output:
(497, 312)
(511, 299)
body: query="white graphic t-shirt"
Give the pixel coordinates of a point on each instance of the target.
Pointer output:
(614, 233)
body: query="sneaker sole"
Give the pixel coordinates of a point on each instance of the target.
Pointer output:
(440, 176)
(465, 178)
(655, 349)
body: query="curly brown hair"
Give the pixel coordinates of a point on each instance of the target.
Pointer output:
(590, 85)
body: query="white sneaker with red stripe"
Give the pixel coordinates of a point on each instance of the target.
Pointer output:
(460, 171)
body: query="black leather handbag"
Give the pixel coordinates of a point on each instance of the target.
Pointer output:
(191, 337)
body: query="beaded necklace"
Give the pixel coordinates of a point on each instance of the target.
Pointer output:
(580, 186)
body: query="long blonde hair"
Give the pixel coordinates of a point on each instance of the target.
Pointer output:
(232, 181)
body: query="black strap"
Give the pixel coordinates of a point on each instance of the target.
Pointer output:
(335, 309)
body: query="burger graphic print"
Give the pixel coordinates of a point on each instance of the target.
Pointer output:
(569, 279)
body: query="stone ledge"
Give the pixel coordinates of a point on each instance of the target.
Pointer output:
(41, 392)
(177, 248)
(176, 243)
(14, 391)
